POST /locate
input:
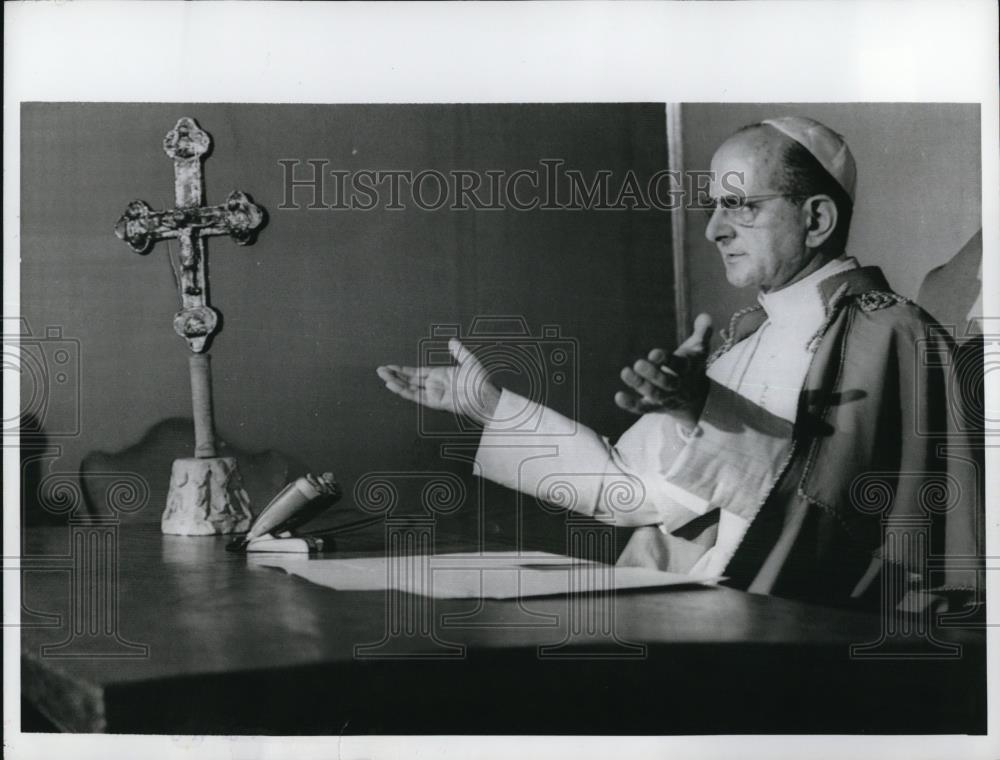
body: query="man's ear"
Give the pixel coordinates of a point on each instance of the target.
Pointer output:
(821, 219)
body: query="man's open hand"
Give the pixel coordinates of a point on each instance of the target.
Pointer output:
(463, 388)
(674, 384)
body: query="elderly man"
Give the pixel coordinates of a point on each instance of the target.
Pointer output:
(793, 460)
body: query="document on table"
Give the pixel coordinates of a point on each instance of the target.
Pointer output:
(489, 575)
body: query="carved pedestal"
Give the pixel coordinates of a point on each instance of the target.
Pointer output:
(206, 496)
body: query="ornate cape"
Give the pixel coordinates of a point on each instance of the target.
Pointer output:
(877, 466)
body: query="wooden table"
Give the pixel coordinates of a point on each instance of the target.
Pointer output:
(202, 643)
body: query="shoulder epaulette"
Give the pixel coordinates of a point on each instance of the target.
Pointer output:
(873, 300)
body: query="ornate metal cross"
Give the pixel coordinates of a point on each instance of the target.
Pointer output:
(141, 227)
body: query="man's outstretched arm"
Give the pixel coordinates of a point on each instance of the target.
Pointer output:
(549, 456)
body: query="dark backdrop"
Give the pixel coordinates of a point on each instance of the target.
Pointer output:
(325, 296)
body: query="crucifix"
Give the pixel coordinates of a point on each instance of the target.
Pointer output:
(206, 493)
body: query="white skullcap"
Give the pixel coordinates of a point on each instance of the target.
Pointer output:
(826, 146)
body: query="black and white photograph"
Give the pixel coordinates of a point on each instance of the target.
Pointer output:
(653, 414)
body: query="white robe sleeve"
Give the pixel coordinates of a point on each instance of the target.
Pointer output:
(539, 452)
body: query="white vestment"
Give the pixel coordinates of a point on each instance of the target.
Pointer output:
(656, 476)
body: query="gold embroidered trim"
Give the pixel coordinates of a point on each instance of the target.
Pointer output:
(729, 336)
(873, 300)
(831, 314)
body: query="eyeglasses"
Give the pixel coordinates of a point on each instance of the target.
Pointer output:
(740, 209)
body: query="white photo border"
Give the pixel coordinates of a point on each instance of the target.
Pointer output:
(262, 52)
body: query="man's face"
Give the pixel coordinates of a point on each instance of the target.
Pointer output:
(772, 251)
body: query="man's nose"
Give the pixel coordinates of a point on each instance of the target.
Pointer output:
(718, 229)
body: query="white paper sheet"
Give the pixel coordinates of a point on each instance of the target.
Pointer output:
(491, 575)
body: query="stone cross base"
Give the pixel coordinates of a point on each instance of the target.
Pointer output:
(206, 496)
